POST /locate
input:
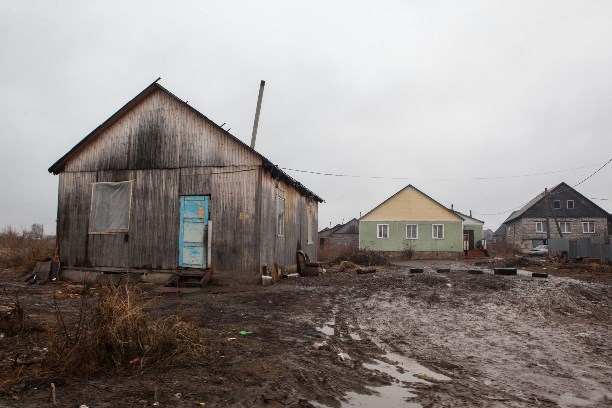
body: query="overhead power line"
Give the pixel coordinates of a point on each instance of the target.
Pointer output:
(319, 173)
(594, 173)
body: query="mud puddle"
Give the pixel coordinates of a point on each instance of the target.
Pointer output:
(402, 370)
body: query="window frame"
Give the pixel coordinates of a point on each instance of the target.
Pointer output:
(92, 209)
(568, 223)
(416, 229)
(587, 223)
(573, 204)
(310, 220)
(542, 230)
(378, 231)
(433, 230)
(556, 204)
(280, 216)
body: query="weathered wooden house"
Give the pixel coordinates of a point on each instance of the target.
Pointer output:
(159, 187)
(576, 217)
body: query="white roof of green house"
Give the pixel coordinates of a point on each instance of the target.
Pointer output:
(410, 203)
(468, 220)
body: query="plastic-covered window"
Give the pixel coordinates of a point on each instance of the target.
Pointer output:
(110, 207)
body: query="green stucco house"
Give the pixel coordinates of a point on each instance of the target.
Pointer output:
(411, 220)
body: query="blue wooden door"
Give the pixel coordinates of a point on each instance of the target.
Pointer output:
(192, 239)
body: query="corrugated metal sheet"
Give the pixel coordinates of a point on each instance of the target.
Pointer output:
(581, 248)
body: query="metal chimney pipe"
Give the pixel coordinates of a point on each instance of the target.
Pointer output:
(257, 111)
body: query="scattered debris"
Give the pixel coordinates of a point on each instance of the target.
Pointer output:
(343, 357)
(346, 265)
(320, 345)
(363, 271)
(245, 332)
(416, 270)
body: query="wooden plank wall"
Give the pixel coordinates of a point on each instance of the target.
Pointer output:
(160, 133)
(168, 151)
(280, 250)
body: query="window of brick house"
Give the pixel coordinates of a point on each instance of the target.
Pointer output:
(565, 226)
(570, 204)
(588, 227)
(541, 226)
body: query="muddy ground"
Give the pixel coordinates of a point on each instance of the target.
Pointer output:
(385, 339)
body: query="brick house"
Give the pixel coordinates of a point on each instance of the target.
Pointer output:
(576, 215)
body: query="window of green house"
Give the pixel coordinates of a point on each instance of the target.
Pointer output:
(412, 231)
(382, 231)
(437, 231)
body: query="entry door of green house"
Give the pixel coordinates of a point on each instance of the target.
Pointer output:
(192, 238)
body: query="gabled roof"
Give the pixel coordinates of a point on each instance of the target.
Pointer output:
(467, 217)
(519, 213)
(58, 166)
(410, 186)
(501, 231)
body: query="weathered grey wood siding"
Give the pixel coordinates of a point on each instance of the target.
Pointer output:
(161, 132)
(280, 250)
(169, 150)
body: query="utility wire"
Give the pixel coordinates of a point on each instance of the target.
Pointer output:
(557, 192)
(447, 178)
(594, 173)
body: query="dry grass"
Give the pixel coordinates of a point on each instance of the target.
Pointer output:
(364, 257)
(117, 332)
(112, 332)
(21, 250)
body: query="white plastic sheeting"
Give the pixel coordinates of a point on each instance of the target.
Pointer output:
(110, 207)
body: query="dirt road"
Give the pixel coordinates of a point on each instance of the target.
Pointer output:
(389, 338)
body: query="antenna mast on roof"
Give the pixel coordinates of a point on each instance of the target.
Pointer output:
(257, 111)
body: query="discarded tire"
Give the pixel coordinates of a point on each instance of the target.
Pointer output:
(475, 271)
(539, 275)
(505, 271)
(443, 270)
(416, 270)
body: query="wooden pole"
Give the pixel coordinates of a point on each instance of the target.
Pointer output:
(257, 111)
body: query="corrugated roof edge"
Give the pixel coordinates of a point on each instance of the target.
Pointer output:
(58, 166)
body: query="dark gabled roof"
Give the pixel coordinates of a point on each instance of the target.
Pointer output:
(58, 166)
(519, 213)
(413, 187)
(501, 231)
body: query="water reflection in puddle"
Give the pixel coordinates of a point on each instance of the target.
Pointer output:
(355, 336)
(401, 369)
(328, 327)
(387, 396)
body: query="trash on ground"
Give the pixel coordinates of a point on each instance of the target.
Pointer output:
(369, 270)
(319, 345)
(343, 356)
(245, 332)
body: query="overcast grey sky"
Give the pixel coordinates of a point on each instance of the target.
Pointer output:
(439, 93)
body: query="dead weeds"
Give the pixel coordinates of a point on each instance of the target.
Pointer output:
(113, 331)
